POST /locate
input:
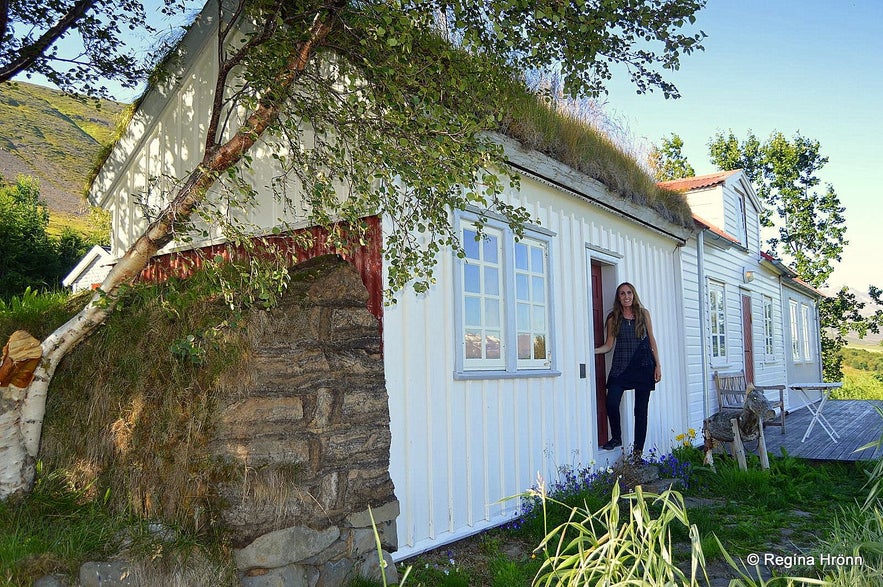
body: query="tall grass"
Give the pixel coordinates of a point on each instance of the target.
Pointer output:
(540, 126)
(131, 409)
(612, 547)
(53, 530)
(125, 440)
(38, 313)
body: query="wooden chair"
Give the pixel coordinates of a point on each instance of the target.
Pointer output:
(732, 389)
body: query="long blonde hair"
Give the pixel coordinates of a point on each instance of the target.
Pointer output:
(616, 314)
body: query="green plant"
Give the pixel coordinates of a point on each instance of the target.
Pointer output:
(36, 312)
(55, 528)
(610, 547)
(508, 573)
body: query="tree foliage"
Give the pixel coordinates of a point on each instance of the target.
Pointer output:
(29, 257)
(841, 314)
(668, 160)
(79, 45)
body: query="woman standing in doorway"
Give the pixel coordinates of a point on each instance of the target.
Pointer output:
(635, 363)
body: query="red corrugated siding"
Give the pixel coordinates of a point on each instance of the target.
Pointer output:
(366, 258)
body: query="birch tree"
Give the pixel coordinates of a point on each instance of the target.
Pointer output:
(416, 85)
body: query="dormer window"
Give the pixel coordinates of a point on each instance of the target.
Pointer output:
(743, 218)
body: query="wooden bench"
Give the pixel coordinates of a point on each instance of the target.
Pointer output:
(732, 389)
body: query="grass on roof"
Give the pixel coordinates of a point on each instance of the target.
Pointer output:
(540, 126)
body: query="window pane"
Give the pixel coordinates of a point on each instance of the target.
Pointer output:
(491, 281)
(473, 311)
(539, 347)
(492, 313)
(472, 278)
(536, 260)
(715, 352)
(492, 342)
(473, 344)
(538, 324)
(521, 256)
(522, 288)
(470, 245)
(523, 316)
(491, 244)
(524, 345)
(539, 290)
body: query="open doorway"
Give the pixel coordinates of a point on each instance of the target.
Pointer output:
(600, 386)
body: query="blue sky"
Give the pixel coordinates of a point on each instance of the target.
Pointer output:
(811, 66)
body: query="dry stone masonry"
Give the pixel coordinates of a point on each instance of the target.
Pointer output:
(311, 433)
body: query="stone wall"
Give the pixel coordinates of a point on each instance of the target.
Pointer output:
(309, 435)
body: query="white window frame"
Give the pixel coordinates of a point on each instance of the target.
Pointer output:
(795, 331)
(717, 322)
(481, 277)
(807, 340)
(743, 219)
(513, 298)
(531, 269)
(769, 326)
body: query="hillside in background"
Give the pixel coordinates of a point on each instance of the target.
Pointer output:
(55, 138)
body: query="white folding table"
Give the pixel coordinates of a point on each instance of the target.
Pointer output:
(824, 390)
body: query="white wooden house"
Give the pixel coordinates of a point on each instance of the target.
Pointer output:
(91, 269)
(743, 308)
(491, 374)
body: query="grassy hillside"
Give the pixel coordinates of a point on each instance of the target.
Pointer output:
(55, 138)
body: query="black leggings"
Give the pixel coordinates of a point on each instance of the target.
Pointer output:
(642, 400)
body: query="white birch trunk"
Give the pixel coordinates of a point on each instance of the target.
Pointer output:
(14, 472)
(21, 416)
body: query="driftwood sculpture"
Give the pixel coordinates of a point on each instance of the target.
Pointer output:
(737, 426)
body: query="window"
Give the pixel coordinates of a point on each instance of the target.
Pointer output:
(531, 308)
(482, 291)
(795, 332)
(768, 343)
(504, 303)
(804, 318)
(717, 313)
(743, 220)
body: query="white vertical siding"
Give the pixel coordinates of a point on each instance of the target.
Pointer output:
(805, 368)
(459, 446)
(728, 266)
(694, 313)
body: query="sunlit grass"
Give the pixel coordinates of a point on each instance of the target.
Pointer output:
(859, 384)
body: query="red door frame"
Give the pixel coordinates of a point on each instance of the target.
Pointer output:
(747, 338)
(600, 361)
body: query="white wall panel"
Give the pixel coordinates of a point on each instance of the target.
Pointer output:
(498, 434)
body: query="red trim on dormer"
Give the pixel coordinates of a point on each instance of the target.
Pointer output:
(366, 257)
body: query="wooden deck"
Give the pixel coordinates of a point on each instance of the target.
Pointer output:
(857, 422)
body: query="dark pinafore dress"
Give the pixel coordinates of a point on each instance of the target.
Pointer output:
(633, 363)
